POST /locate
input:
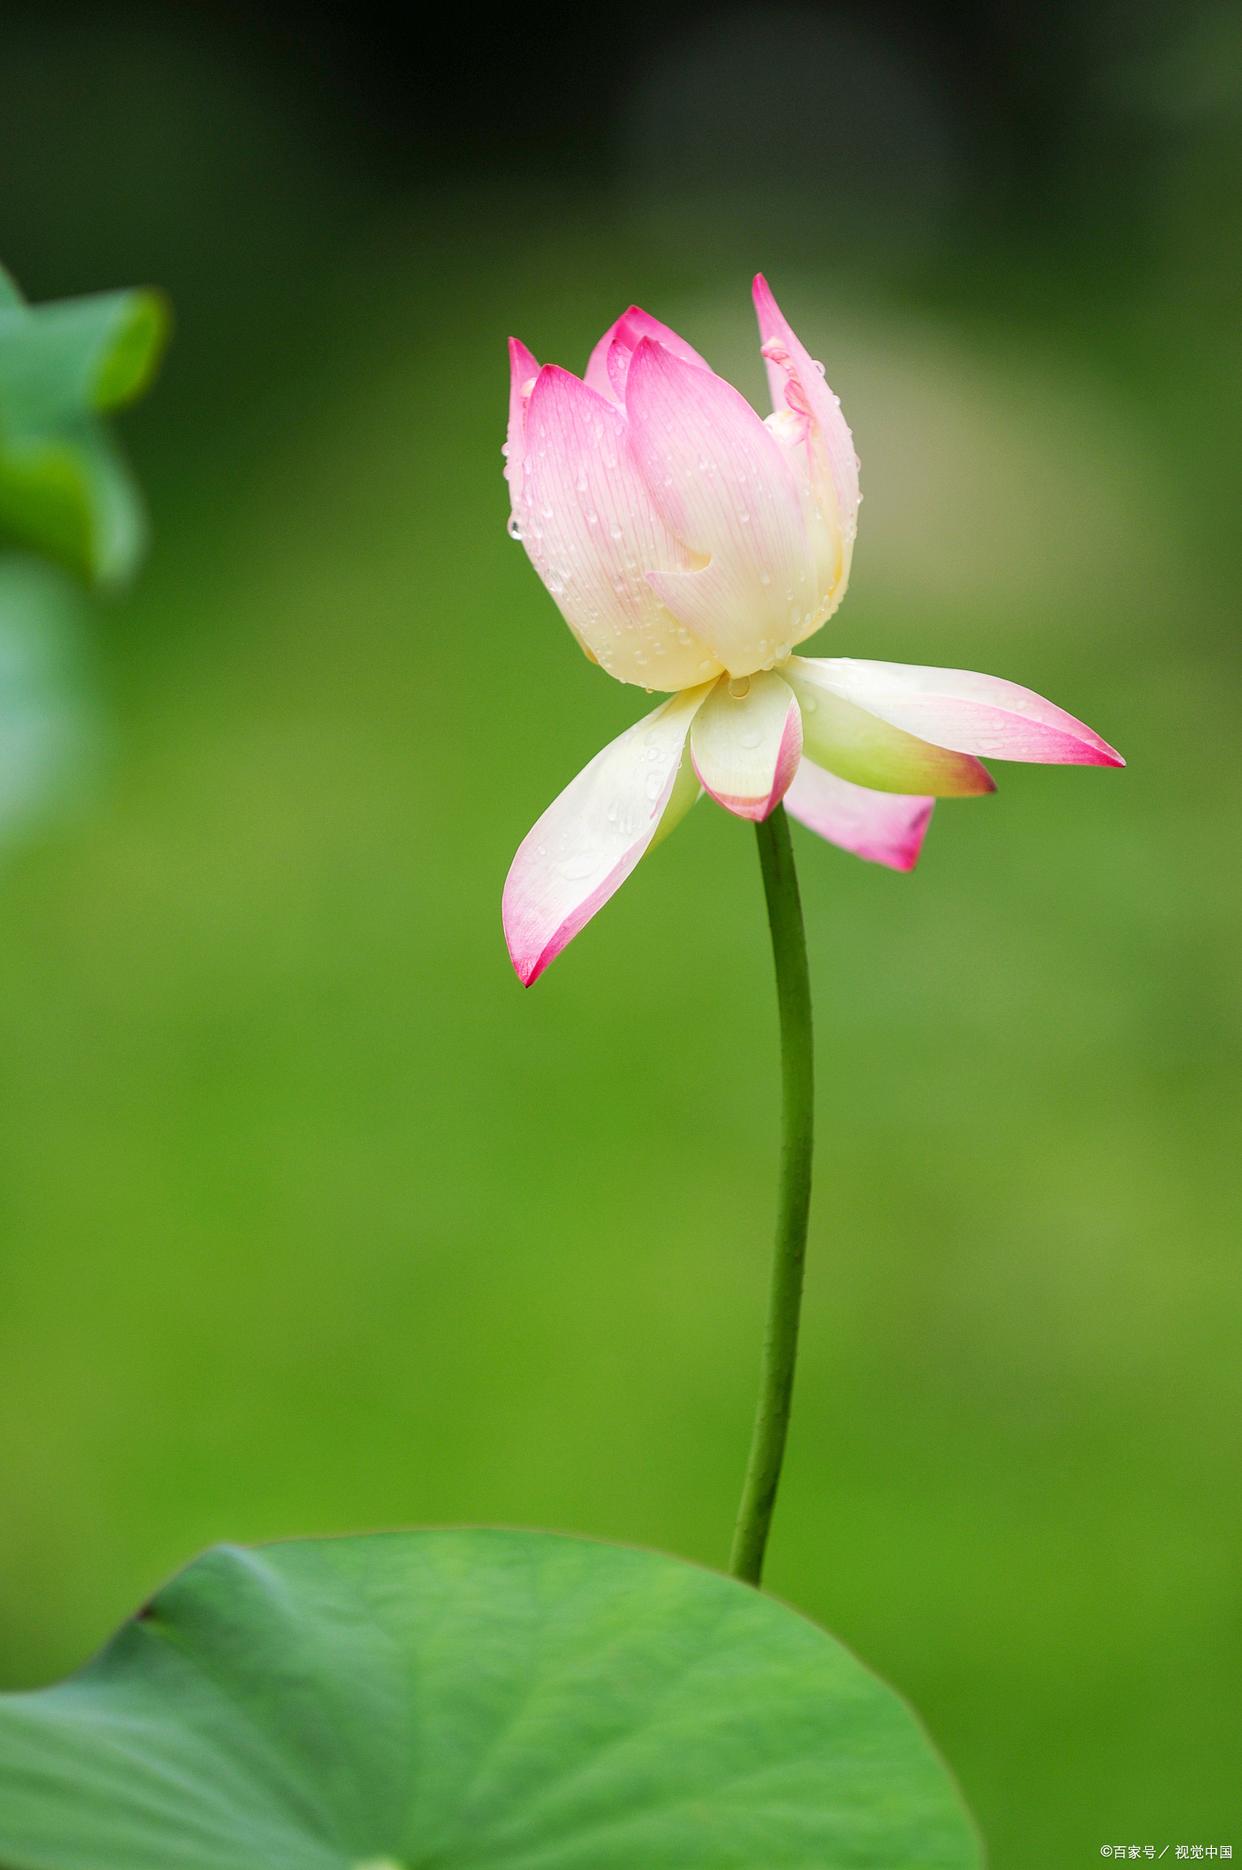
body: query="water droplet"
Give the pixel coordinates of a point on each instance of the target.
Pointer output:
(654, 786)
(514, 528)
(739, 687)
(750, 740)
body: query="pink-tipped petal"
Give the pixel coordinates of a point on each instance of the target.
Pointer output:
(523, 370)
(609, 364)
(860, 747)
(592, 532)
(746, 746)
(978, 714)
(590, 838)
(797, 384)
(724, 487)
(884, 827)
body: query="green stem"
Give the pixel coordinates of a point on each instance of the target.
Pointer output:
(780, 1343)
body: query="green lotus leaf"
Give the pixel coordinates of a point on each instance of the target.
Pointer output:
(470, 1700)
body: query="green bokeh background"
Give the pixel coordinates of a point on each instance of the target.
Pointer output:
(313, 1221)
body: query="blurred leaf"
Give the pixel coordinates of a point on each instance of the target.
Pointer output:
(63, 488)
(458, 1698)
(78, 354)
(73, 498)
(49, 722)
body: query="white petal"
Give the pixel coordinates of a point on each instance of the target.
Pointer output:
(980, 714)
(856, 745)
(746, 745)
(591, 837)
(747, 741)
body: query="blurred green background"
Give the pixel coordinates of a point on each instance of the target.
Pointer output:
(312, 1221)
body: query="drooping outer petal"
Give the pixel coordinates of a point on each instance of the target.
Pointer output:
(609, 365)
(746, 747)
(590, 838)
(969, 713)
(884, 827)
(976, 714)
(725, 489)
(592, 532)
(860, 747)
(797, 384)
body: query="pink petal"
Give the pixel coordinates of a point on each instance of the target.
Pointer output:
(746, 747)
(797, 384)
(970, 713)
(610, 360)
(522, 373)
(723, 486)
(590, 838)
(884, 827)
(592, 532)
(859, 747)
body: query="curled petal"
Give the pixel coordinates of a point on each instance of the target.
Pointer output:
(746, 747)
(979, 714)
(798, 386)
(860, 747)
(609, 365)
(523, 370)
(591, 837)
(724, 487)
(884, 827)
(592, 532)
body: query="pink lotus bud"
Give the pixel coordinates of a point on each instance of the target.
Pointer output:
(679, 533)
(690, 546)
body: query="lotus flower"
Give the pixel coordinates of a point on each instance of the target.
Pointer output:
(691, 546)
